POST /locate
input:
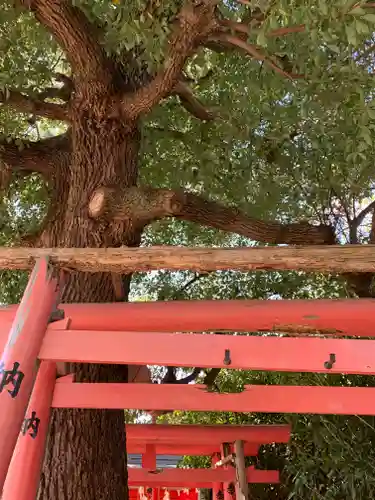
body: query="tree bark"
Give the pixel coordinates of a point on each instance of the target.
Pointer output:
(335, 259)
(86, 451)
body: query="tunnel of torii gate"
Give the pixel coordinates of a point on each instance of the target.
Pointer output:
(39, 335)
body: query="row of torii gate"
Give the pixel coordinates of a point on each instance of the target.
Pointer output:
(36, 335)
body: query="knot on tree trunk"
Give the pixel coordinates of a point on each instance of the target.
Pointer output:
(138, 204)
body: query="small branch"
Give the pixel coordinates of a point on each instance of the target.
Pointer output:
(191, 103)
(242, 27)
(179, 293)
(194, 23)
(364, 213)
(76, 36)
(372, 232)
(176, 134)
(145, 205)
(253, 52)
(25, 104)
(287, 30)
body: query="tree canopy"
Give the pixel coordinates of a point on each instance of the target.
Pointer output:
(206, 122)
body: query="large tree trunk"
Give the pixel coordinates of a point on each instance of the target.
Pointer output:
(86, 451)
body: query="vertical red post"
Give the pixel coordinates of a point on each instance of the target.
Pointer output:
(149, 457)
(149, 462)
(22, 480)
(18, 362)
(155, 493)
(217, 488)
(225, 450)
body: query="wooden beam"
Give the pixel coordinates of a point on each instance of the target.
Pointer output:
(242, 490)
(193, 477)
(206, 434)
(329, 258)
(255, 398)
(329, 317)
(355, 356)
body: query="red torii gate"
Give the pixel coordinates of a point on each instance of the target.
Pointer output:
(27, 334)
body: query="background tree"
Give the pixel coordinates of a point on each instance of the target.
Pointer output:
(252, 118)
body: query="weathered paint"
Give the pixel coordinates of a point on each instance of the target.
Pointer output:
(253, 352)
(24, 309)
(206, 434)
(20, 356)
(342, 317)
(23, 475)
(254, 398)
(195, 477)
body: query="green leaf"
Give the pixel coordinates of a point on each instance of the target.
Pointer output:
(351, 34)
(361, 27)
(262, 39)
(357, 11)
(323, 7)
(370, 18)
(365, 134)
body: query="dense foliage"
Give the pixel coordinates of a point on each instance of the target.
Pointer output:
(288, 137)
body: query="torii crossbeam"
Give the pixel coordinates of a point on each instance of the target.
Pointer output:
(151, 333)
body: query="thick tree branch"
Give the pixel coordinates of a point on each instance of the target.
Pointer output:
(191, 103)
(194, 23)
(63, 93)
(25, 104)
(144, 205)
(39, 157)
(76, 36)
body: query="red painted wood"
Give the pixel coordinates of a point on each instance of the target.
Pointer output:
(155, 494)
(195, 477)
(22, 347)
(349, 316)
(206, 434)
(217, 488)
(22, 480)
(66, 379)
(62, 324)
(207, 351)
(251, 449)
(149, 457)
(173, 493)
(255, 398)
